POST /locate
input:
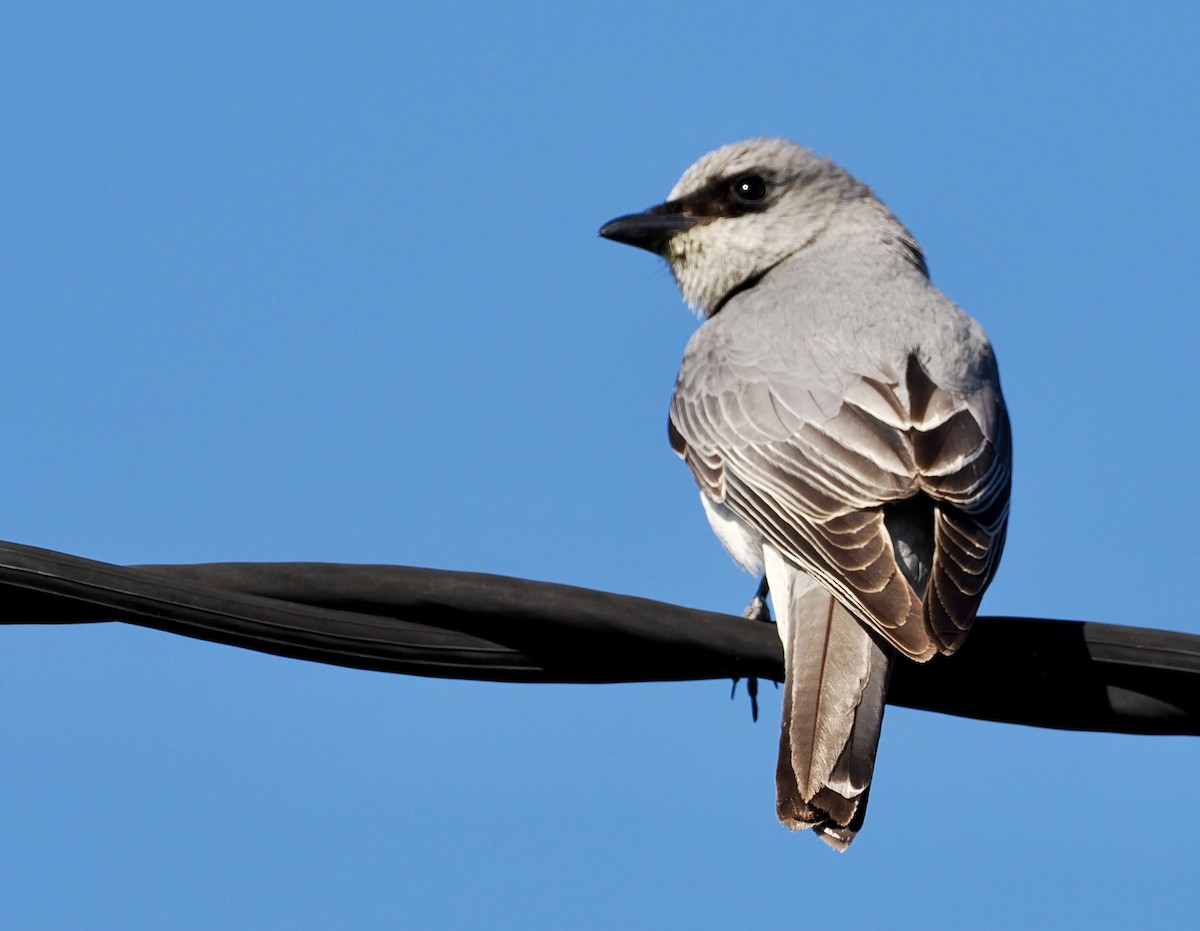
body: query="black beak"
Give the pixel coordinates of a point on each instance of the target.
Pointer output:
(651, 230)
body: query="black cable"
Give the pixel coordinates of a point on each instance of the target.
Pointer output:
(1065, 674)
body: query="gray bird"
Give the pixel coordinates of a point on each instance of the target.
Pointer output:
(844, 422)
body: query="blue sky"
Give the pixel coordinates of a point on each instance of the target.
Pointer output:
(322, 282)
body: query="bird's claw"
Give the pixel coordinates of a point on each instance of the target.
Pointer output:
(751, 690)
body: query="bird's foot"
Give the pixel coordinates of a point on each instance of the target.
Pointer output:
(757, 610)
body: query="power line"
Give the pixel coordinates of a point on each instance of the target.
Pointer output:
(1065, 674)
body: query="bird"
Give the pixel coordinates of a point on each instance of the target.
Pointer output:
(844, 421)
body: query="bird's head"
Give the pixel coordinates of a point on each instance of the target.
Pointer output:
(737, 213)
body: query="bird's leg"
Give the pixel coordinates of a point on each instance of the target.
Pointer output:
(757, 610)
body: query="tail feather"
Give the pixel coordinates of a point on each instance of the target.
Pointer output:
(834, 691)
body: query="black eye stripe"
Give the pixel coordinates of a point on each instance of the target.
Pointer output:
(725, 197)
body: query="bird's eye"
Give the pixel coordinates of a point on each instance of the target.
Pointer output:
(749, 189)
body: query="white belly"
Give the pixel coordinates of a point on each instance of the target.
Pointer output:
(745, 544)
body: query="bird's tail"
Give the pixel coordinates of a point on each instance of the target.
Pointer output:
(836, 682)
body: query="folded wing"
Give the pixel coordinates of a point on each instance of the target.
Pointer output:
(850, 480)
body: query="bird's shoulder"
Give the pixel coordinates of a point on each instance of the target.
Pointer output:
(794, 349)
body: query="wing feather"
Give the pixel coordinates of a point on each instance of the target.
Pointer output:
(815, 466)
